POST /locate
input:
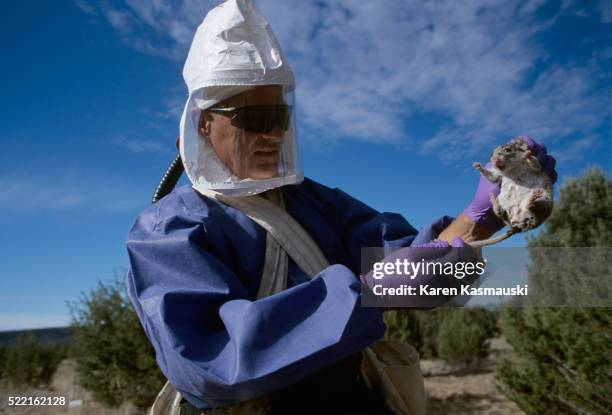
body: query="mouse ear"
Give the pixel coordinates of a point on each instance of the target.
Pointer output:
(533, 162)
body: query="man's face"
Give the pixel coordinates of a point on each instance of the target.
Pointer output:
(247, 154)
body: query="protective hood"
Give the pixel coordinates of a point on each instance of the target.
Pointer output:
(233, 51)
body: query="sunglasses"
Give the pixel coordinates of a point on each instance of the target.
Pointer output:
(257, 118)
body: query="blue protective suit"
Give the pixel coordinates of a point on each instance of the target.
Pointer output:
(195, 267)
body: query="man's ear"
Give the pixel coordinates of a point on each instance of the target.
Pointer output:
(204, 123)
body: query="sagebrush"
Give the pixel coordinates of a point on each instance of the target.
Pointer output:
(561, 362)
(30, 363)
(115, 361)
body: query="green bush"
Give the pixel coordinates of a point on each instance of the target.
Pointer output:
(29, 363)
(416, 327)
(429, 323)
(2, 360)
(115, 360)
(463, 336)
(403, 325)
(421, 328)
(561, 356)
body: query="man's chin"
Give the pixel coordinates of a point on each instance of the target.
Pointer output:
(263, 168)
(264, 172)
(263, 176)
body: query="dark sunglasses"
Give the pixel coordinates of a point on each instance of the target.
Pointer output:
(257, 118)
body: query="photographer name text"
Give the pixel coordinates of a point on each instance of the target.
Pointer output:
(426, 290)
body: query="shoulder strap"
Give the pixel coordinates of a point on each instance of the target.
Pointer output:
(298, 244)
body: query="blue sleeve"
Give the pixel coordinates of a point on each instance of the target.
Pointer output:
(360, 226)
(215, 346)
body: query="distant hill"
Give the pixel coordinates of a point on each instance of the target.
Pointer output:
(55, 335)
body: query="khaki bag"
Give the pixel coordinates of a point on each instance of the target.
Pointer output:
(391, 368)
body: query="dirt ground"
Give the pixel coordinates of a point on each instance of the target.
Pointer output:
(467, 394)
(79, 401)
(459, 391)
(450, 392)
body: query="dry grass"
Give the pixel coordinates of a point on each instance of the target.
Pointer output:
(450, 390)
(64, 384)
(466, 390)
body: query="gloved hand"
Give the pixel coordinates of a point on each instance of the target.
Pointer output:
(437, 243)
(480, 209)
(434, 252)
(546, 161)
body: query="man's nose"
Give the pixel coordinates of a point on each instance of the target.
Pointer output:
(275, 134)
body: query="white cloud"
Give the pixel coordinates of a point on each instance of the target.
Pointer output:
(154, 27)
(171, 105)
(576, 149)
(606, 10)
(118, 19)
(53, 191)
(145, 146)
(366, 67)
(25, 321)
(85, 7)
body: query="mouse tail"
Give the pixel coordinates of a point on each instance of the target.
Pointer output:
(491, 241)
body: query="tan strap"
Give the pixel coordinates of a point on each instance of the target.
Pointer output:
(392, 369)
(298, 244)
(276, 262)
(167, 402)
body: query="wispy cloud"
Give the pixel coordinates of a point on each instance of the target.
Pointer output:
(25, 321)
(606, 11)
(158, 28)
(144, 146)
(575, 150)
(65, 191)
(365, 69)
(170, 106)
(85, 7)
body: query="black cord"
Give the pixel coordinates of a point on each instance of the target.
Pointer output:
(169, 179)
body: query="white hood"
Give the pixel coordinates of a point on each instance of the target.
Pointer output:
(232, 51)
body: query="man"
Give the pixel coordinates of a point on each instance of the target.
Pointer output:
(233, 310)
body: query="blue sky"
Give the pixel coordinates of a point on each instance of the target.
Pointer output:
(395, 101)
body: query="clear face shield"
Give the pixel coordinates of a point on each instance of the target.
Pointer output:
(244, 144)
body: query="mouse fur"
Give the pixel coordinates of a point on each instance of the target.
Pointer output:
(525, 197)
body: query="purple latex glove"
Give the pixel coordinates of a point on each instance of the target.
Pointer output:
(546, 160)
(438, 243)
(431, 250)
(436, 251)
(480, 209)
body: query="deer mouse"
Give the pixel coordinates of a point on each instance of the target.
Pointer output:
(525, 198)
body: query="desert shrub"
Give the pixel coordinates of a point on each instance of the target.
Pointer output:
(487, 319)
(418, 328)
(2, 360)
(429, 324)
(421, 328)
(561, 356)
(403, 325)
(29, 363)
(463, 336)
(115, 361)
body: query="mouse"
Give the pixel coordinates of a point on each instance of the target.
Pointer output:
(525, 199)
